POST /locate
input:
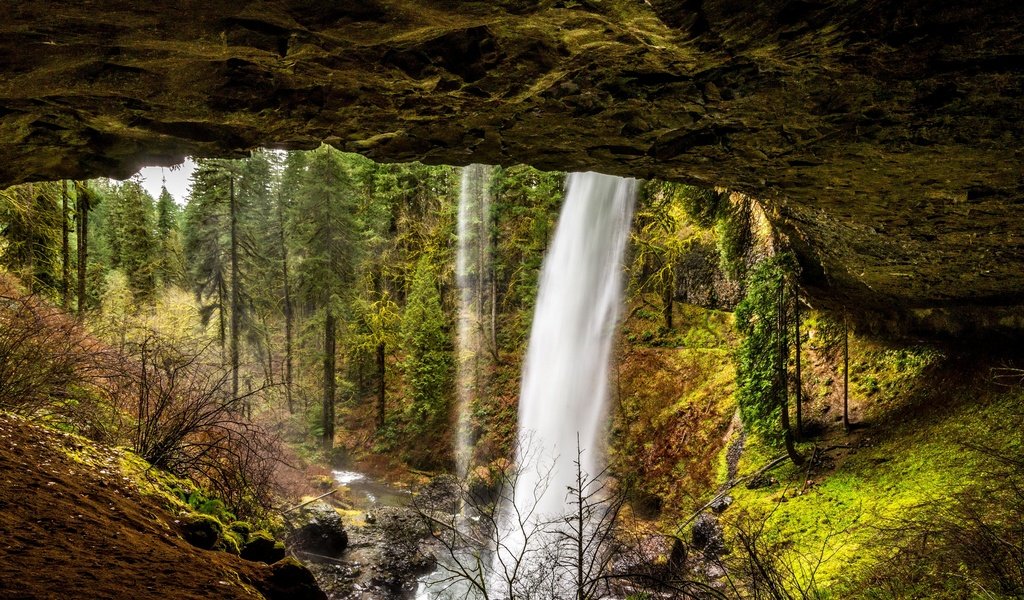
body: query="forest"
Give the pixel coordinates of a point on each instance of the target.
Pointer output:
(309, 320)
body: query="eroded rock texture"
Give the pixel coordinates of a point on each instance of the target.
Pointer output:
(884, 136)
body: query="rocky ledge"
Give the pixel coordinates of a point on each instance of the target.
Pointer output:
(884, 138)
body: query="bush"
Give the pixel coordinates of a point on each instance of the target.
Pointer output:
(187, 422)
(50, 366)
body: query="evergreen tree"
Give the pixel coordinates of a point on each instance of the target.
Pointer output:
(206, 246)
(30, 222)
(136, 242)
(428, 364)
(170, 257)
(326, 229)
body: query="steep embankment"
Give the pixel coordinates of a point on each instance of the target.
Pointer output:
(84, 521)
(913, 500)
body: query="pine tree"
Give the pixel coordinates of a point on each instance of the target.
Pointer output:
(137, 243)
(206, 246)
(30, 222)
(428, 364)
(171, 260)
(326, 229)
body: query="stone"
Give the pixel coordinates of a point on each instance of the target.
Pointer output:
(262, 547)
(719, 506)
(707, 535)
(290, 580)
(882, 139)
(202, 531)
(320, 531)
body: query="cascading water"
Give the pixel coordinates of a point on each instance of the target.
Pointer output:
(564, 395)
(565, 378)
(472, 270)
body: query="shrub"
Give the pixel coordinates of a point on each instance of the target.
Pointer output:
(187, 422)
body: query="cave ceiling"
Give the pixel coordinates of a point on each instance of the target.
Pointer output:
(884, 138)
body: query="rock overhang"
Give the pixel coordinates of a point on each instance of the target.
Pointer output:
(883, 138)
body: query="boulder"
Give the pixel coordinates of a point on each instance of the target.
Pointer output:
(290, 580)
(320, 531)
(707, 535)
(202, 531)
(262, 547)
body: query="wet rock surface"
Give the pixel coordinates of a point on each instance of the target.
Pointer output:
(885, 138)
(319, 531)
(383, 560)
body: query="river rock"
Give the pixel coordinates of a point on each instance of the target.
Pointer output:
(261, 547)
(202, 531)
(320, 531)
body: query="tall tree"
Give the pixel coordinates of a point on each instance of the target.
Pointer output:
(799, 374)
(326, 228)
(206, 245)
(65, 247)
(84, 200)
(131, 237)
(30, 222)
(428, 361)
(171, 262)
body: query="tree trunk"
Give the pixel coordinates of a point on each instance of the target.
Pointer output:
(668, 297)
(65, 249)
(783, 379)
(329, 368)
(799, 376)
(846, 373)
(381, 398)
(235, 298)
(82, 235)
(287, 310)
(494, 296)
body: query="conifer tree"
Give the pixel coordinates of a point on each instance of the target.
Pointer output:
(326, 229)
(428, 364)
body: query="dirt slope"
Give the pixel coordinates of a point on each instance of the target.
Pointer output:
(73, 525)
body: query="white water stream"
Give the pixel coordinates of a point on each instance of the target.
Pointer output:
(472, 269)
(565, 377)
(564, 394)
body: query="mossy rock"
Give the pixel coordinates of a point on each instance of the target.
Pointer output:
(241, 529)
(262, 547)
(230, 542)
(202, 531)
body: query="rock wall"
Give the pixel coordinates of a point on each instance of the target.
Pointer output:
(883, 136)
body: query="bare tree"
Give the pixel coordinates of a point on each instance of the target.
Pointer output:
(498, 547)
(487, 547)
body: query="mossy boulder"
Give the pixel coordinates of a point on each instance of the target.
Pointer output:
(262, 547)
(202, 531)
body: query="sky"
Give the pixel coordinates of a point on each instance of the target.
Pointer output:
(178, 180)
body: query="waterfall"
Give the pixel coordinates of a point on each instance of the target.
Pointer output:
(564, 393)
(473, 269)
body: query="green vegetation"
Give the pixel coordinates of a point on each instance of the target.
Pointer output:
(303, 304)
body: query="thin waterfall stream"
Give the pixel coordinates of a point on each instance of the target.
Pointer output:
(473, 273)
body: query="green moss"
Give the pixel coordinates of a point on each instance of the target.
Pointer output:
(917, 462)
(203, 531)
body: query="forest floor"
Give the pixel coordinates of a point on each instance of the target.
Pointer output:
(75, 523)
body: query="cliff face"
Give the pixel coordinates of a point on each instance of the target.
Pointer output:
(883, 137)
